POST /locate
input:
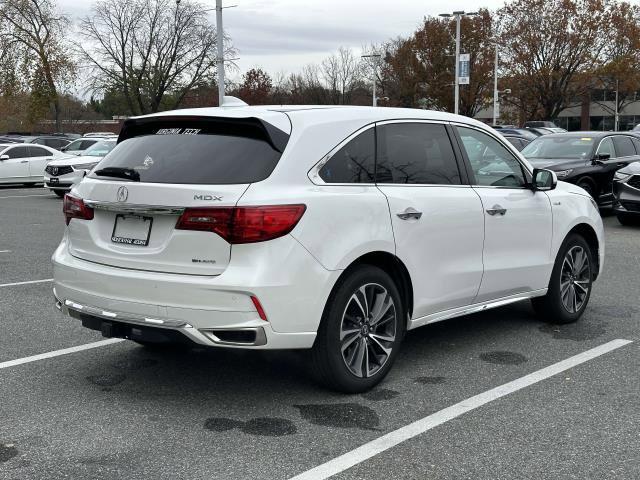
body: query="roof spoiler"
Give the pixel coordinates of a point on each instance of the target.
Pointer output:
(246, 127)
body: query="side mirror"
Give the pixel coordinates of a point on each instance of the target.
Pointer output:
(544, 180)
(601, 157)
(4, 157)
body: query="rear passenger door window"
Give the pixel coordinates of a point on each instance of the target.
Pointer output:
(624, 146)
(492, 164)
(38, 152)
(415, 153)
(354, 162)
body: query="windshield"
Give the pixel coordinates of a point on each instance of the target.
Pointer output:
(561, 147)
(75, 145)
(99, 149)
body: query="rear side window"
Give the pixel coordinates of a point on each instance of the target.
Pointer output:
(624, 146)
(195, 153)
(416, 153)
(354, 162)
(38, 152)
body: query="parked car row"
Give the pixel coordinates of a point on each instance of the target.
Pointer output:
(605, 164)
(23, 159)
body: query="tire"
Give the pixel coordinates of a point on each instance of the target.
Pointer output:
(356, 371)
(59, 193)
(587, 185)
(555, 307)
(629, 220)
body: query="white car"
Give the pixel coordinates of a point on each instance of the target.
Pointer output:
(61, 175)
(330, 229)
(78, 146)
(25, 163)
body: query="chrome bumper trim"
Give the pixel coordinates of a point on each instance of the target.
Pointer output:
(132, 208)
(123, 317)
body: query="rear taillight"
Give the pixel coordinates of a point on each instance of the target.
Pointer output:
(74, 207)
(243, 224)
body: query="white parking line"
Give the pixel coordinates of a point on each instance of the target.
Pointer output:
(25, 196)
(5, 251)
(26, 283)
(57, 353)
(379, 445)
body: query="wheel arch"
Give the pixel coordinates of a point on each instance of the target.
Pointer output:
(394, 267)
(587, 232)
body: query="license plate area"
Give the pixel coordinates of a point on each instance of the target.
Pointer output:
(132, 230)
(54, 180)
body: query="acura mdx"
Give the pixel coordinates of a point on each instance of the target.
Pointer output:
(321, 228)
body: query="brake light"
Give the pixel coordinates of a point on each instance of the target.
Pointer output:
(74, 207)
(243, 224)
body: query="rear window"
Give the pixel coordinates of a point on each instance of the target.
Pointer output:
(194, 154)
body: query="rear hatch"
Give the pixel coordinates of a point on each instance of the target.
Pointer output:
(161, 170)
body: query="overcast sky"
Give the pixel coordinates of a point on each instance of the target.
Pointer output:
(285, 35)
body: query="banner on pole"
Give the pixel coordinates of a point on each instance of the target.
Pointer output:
(463, 78)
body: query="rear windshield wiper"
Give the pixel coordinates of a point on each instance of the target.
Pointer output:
(119, 172)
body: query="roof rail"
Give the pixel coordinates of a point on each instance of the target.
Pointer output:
(233, 102)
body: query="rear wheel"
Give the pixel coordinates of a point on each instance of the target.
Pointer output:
(626, 219)
(361, 330)
(570, 283)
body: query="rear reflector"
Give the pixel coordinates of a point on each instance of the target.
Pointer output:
(74, 207)
(243, 224)
(258, 305)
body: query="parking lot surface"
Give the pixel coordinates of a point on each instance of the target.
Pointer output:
(120, 411)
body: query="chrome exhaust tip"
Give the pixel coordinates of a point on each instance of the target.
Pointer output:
(240, 337)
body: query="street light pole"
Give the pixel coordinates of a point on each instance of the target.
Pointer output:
(495, 88)
(375, 56)
(456, 81)
(220, 56)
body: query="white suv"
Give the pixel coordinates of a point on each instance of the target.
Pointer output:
(330, 229)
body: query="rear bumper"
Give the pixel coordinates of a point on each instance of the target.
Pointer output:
(205, 310)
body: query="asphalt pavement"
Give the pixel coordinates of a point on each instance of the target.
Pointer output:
(120, 411)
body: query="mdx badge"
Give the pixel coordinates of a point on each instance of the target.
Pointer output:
(209, 198)
(122, 194)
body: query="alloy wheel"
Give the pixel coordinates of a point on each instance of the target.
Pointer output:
(368, 330)
(574, 279)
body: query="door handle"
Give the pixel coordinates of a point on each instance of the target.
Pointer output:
(497, 210)
(409, 213)
(24, 161)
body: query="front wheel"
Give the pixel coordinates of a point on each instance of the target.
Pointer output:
(360, 333)
(60, 193)
(570, 283)
(587, 186)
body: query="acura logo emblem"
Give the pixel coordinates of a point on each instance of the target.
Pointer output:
(122, 194)
(55, 171)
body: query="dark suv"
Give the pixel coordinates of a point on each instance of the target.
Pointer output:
(587, 159)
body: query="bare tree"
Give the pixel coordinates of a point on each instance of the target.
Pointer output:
(153, 51)
(33, 31)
